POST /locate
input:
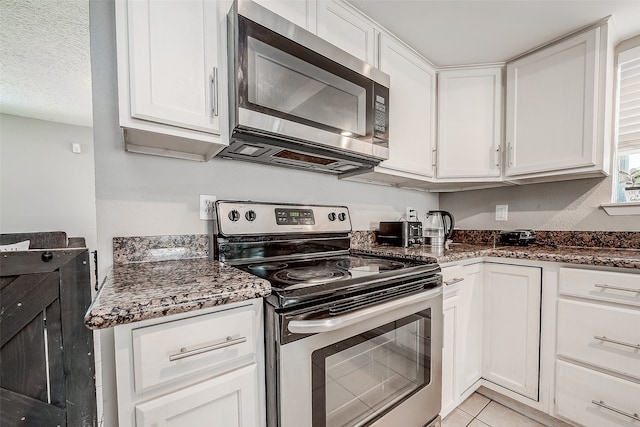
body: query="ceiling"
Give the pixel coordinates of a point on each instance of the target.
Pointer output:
(45, 68)
(459, 32)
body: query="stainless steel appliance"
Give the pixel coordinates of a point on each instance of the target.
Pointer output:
(298, 101)
(399, 233)
(351, 340)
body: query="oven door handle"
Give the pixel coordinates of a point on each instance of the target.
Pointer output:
(332, 323)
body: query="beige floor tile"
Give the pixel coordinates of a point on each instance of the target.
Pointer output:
(474, 404)
(497, 415)
(457, 418)
(477, 423)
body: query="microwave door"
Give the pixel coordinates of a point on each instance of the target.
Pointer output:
(289, 90)
(303, 92)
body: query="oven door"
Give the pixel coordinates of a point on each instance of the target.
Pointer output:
(377, 366)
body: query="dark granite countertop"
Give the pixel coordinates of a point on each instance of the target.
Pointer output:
(604, 257)
(147, 290)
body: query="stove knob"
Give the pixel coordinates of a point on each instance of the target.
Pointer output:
(332, 216)
(234, 215)
(250, 215)
(342, 216)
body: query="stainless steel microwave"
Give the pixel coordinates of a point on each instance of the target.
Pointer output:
(298, 101)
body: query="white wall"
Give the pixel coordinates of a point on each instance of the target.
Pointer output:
(568, 205)
(44, 185)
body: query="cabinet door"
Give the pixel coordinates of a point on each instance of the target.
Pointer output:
(511, 338)
(552, 107)
(173, 63)
(449, 353)
(469, 122)
(412, 108)
(229, 400)
(345, 29)
(470, 330)
(296, 11)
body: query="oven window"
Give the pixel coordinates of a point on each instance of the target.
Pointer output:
(357, 380)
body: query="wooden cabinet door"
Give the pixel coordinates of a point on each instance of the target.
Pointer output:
(469, 123)
(552, 114)
(511, 339)
(412, 108)
(229, 400)
(173, 59)
(346, 30)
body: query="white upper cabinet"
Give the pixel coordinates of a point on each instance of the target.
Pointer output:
(469, 123)
(169, 76)
(412, 104)
(300, 12)
(557, 102)
(346, 29)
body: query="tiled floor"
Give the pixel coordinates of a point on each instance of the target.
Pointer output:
(480, 411)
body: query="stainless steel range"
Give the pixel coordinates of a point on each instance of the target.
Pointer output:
(351, 339)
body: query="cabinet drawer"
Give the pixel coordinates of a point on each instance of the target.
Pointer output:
(578, 387)
(601, 285)
(605, 336)
(213, 342)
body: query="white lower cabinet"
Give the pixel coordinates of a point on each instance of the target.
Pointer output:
(449, 350)
(462, 344)
(511, 342)
(204, 368)
(598, 348)
(225, 401)
(594, 399)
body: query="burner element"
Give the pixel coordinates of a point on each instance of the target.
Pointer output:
(310, 275)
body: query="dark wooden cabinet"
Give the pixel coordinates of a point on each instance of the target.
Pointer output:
(47, 370)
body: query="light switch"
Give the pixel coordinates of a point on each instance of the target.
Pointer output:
(76, 148)
(502, 212)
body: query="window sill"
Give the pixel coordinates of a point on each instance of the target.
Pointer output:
(618, 209)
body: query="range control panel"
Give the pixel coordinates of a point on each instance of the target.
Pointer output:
(253, 218)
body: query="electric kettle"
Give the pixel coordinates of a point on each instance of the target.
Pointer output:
(438, 227)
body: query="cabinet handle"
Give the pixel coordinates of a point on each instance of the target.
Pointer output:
(626, 344)
(510, 154)
(498, 150)
(616, 288)
(214, 91)
(453, 281)
(434, 157)
(184, 353)
(600, 403)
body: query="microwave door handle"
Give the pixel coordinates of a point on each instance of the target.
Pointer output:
(332, 323)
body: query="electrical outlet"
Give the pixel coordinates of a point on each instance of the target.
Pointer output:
(207, 206)
(502, 212)
(411, 214)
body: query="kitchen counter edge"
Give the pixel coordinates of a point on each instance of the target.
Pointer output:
(147, 290)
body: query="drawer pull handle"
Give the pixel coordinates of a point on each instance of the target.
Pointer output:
(616, 288)
(603, 338)
(611, 408)
(184, 353)
(453, 281)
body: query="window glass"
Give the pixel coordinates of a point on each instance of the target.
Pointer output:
(627, 182)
